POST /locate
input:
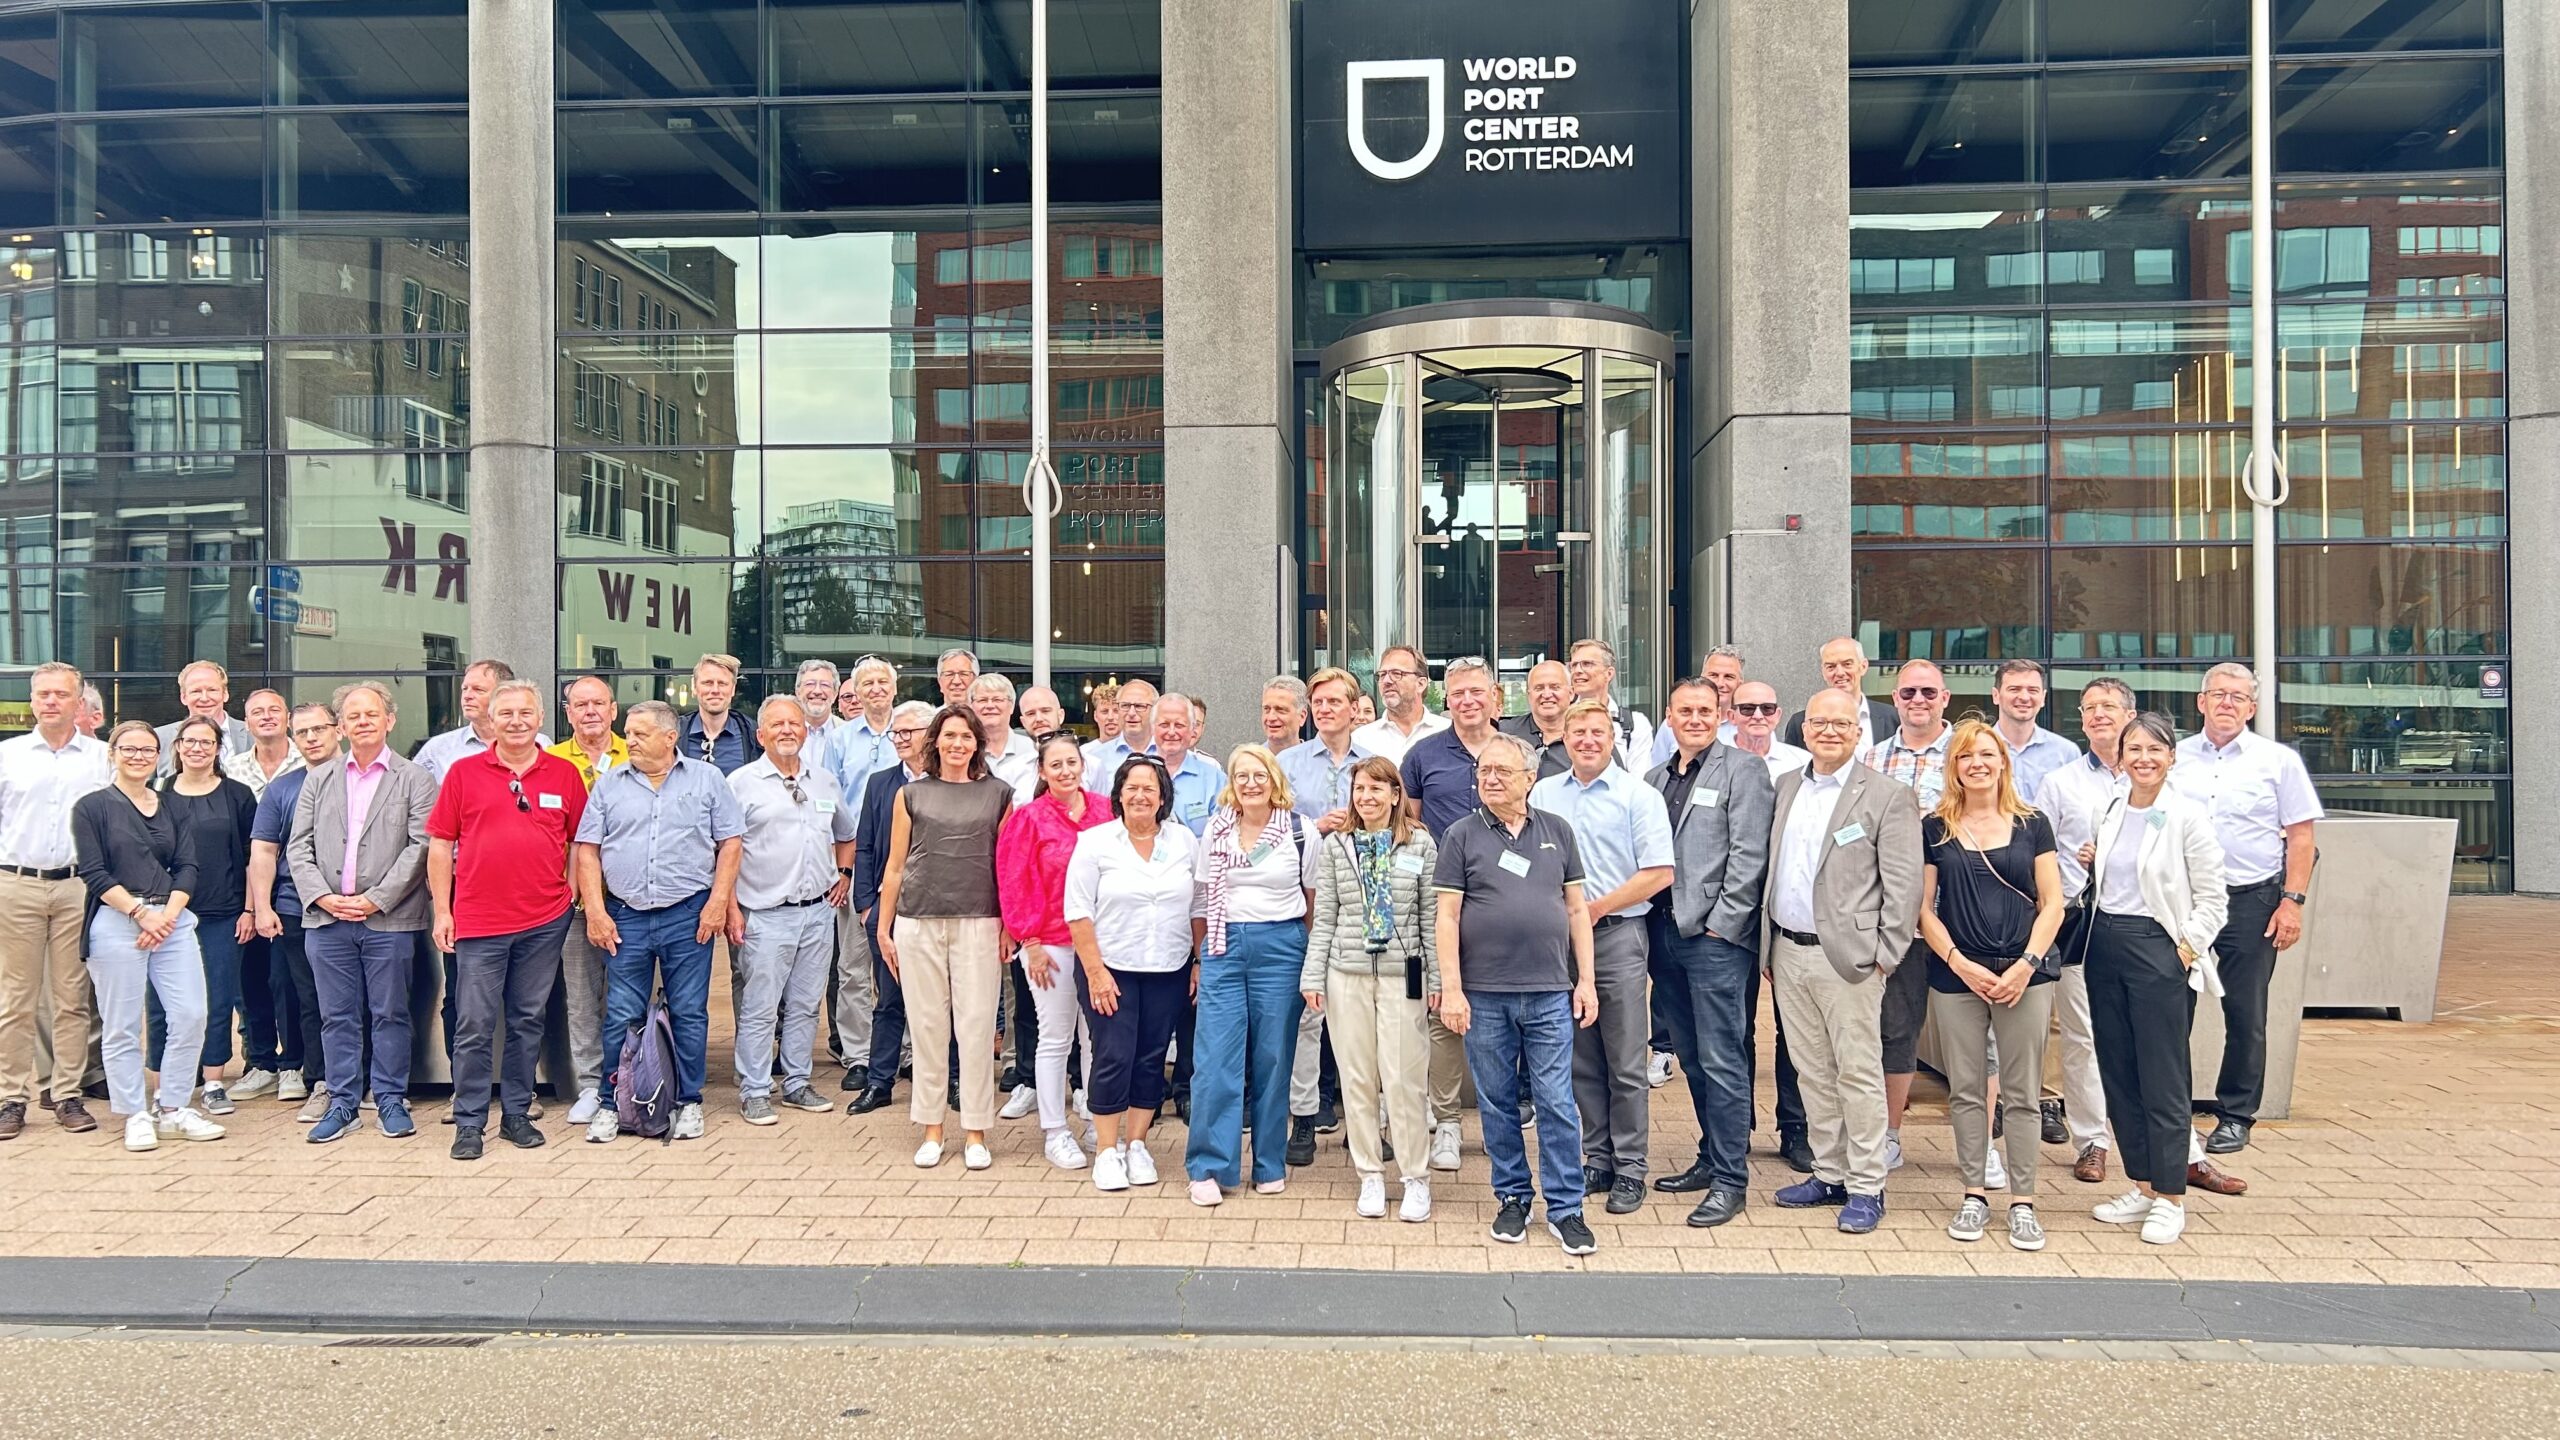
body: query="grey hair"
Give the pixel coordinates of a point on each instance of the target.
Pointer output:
(874, 662)
(959, 652)
(1296, 688)
(511, 687)
(575, 681)
(2231, 670)
(916, 710)
(662, 716)
(815, 667)
(772, 700)
(1517, 746)
(2116, 687)
(1171, 697)
(991, 682)
(379, 691)
(1464, 664)
(90, 695)
(1724, 652)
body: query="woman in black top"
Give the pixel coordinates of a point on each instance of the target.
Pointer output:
(216, 811)
(139, 867)
(1990, 905)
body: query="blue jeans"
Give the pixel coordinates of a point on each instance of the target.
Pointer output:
(221, 947)
(362, 976)
(122, 974)
(659, 945)
(1247, 1034)
(1707, 986)
(1512, 1034)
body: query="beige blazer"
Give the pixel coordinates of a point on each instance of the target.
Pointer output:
(1866, 891)
(391, 854)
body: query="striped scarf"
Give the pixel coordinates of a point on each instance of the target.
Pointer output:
(1224, 855)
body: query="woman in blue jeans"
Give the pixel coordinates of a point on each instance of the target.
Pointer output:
(217, 813)
(1252, 896)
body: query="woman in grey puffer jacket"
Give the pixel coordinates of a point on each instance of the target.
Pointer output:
(1373, 967)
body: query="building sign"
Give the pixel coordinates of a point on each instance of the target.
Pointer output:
(1489, 122)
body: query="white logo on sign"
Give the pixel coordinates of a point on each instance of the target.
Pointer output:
(1357, 75)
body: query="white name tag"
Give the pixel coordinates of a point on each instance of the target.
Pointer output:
(1849, 834)
(826, 805)
(1707, 797)
(1408, 864)
(2155, 819)
(1515, 862)
(550, 802)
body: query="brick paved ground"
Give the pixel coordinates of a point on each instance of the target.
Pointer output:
(2418, 1154)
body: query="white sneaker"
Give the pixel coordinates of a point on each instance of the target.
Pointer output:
(1657, 1072)
(1444, 1145)
(2126, 1209)
(602, 1129)
(141, 1132)
(585, 1110)
(314, 1105)
(1373, 1197)
(1417, 1202)
(1084, 1112)
(2167, 1221)
(928, 1154)
(1892, 1151)
(1020, 1103)
(1995, 1176)
(688, 1124)
(1270, 1187)
(1110, 1170)
(252, 1083)
(1063, 1151)
(975, 1157)
(290, 1086)
(1142, 1166)
(187, 1123)
(1205, 1194)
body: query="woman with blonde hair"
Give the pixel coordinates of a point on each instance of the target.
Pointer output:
(1990, 905)
(1373, 966)
(1250, 903)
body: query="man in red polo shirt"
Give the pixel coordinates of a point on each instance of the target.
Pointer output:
(498, 868)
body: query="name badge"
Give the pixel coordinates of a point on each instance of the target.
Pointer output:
(1515, 862)
(1196, 811)
(1706, 797)
(2155, 819)
(1849, 834)
(550, 802)
(826, 805)
(1410, 865)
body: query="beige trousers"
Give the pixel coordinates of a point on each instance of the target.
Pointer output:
(953, 974)
(40, 962)
(1448, 1070)
(1969, 1029)
(1835, 1033)
(1380, 1046)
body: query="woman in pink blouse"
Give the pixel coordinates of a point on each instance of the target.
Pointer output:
(1031, 879)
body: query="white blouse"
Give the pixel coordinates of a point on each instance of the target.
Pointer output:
(1272, 888)
(1140, 906)
(2120, 872)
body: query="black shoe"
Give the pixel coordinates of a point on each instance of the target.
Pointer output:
(1688, 1181)
(1328, 1117)
(518, 1131)
(1386, 1148)
(2055, 1131)
(1722, 1204)
(955, 1094)
(1999, 1123)
(1627, 1196)
(1302, 1140)
(1596, 1181)
(1180, 1102)
(855, 1081)
(1512, 1225)
(1010, 1081)
(2228, 1138)
(873, 1097)
(466, 1142)
(1573, 1234)
(1796, 1151)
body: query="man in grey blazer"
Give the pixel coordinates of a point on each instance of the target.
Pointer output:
(1706, 939)
(358, 851)
(1843, 897)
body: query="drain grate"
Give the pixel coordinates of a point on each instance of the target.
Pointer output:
(410, 1342)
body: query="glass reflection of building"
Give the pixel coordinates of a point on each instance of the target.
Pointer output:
(2051, 369)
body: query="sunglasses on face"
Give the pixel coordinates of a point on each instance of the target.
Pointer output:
(1756, 707)
(1918, 692)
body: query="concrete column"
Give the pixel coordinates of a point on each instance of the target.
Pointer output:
(1769, 228)
(1229, 416)
(2533, 439)
(514, 535)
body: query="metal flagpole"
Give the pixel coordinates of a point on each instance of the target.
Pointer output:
(2267, 484)
(1040, 494)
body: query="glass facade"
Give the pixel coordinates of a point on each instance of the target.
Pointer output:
(2051, 369)
(794, 364)
(234, 346)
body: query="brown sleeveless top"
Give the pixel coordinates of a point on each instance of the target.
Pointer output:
(951, 847)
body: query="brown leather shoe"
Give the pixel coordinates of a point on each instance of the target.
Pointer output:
(2091, 1168)
(2202, 1176)
(74, 1116)
(44, 1099)
(13, 1119)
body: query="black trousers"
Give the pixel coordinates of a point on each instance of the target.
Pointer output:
(2248, 959)
(2139, 1012)
(504, 985)
(1129, 1043)
(1790, 1096)
(296, 964)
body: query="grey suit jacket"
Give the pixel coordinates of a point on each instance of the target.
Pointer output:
(1720, 851)
(1866, 892)
(391, 854)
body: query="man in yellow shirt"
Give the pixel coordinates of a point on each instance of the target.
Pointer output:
(594, 748)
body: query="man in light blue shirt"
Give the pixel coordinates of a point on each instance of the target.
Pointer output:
(854, 750)
(1319, 770)
(1103, 758)
(2034, 751)
(1197, 779)
(1623, 830)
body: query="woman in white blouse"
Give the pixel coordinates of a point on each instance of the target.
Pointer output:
(1128, 909)
(2158, 901)
(1255, 881)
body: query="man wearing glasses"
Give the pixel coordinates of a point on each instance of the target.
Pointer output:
(502, 907)
(595, 750)
(277, 912)
(859, 747)
(1915, 754)
(1403, 677)
(1103, 758)
(1593, 664)
(794, 869)
(953, 674)
(713, 732)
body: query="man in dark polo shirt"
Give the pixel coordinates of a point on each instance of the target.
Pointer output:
(1440, 790)
(498, 871)
(1516, 980)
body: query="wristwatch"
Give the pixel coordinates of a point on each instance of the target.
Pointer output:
(2297, 897)
(845, 870)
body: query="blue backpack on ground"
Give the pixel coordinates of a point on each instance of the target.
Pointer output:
(644, 1084)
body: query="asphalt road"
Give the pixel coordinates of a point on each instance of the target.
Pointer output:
(288, 1387)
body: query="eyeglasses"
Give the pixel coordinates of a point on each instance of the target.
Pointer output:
(309, 732)
(1755, 707)
(1828, 726)
(197, 742)
(1918, 692)
(905, 732)
(1499, 772)
(1398, 672)
(2230, 697)
(138, 752)
(516, 787)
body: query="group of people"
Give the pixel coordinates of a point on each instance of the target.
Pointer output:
(1348, 924)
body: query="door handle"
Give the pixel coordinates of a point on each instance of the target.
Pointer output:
(1582, 535)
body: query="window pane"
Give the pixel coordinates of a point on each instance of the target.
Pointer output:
(1942, 130)
(1912, 248)
(2164, 689)
(1338, 292)
(853, 275)
(2158, 245)
(907, 612)
(30, 382)
(197, 509)
(373, 395)
(29, 156)
(369, 621)
(1102, 150)
(372, 164)
(2433, 481)
(2354, 25)
(168, 57)
(660, 160)
(2148, 125)
(867, 502)
(1093, 44)
(635, 612)
(167, 284)
(1106, 615)
(636, 50)
(2416, 361)
(2392, 718)
(615, 393)
(2163, 30)
(1107, 278)
(121, 172)
(406, 515)
(856, 47)
(145, 613)
(1946, 369)
(2173, 366)
(30, 66)
(865, 389)
(653, 289)
(2180, 485)
(846, 157)
(1946, 605)
(372, 52)
(644, 503)
(28, 609)
(1106, 389)
(2141, 603)
(337, 282)
(2392, 599)
(163, 399)
(1947, 487)
(2391, 116)
(1111, 503)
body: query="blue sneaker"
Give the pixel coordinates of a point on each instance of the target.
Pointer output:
(340, 1121)
(1861, 1214)
(395, 1119)
(1806, 1194)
